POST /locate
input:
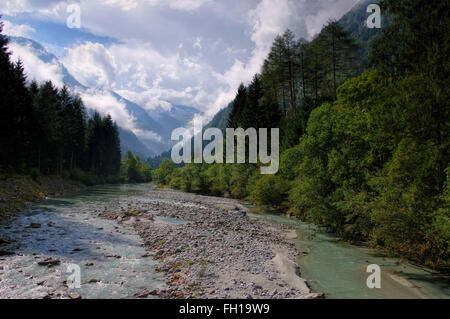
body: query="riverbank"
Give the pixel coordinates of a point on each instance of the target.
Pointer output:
(133, 242)
(209, 248)
(17, 193)
(321, 251)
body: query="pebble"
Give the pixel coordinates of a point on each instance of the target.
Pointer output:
(209, 242)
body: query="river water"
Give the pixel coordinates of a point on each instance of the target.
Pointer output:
(340, 270)
(112, 265)
(109, 255)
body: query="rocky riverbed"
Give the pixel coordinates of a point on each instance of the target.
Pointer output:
(130, 241)
(209, 248)
(17, 193)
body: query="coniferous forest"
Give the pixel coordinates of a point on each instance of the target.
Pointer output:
(46, 130)
(364, 133)
(337, 185)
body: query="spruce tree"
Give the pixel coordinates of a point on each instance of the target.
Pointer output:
(340, 50)
(238, 107)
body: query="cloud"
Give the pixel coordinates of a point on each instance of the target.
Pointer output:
(187, 5)
(143, 75)
(198, 43)
(13, 7)
(147, 135)
(105, 103)
(34, 67)
(101, 101)
(267, 20)
(92, 65)
(19, 30)
(191, 52)
(184, 5)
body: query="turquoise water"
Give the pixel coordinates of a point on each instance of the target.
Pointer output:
(106, 253)
(340, 270)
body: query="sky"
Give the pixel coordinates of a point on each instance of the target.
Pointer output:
(157, 53)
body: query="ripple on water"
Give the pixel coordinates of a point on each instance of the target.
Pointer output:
(109, 256)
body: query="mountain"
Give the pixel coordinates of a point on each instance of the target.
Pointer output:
(355, 22)
(130, 142)
(42, 54)
(181, 113)
(152, 132)
(220, 120)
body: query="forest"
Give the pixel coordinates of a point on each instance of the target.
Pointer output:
(46, 130)
(364, 133)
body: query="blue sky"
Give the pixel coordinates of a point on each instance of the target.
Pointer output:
(158, 52)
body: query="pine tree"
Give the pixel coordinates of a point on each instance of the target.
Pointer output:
(290, 67)
(253, 114)
(238, 107)
(46, 110)
(340, 53)
(95, 144)
(15, 121)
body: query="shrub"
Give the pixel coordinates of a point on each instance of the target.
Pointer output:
(269, 190)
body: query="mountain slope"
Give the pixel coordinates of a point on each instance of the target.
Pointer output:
(355, 22)
(152, 131)
(130, 142)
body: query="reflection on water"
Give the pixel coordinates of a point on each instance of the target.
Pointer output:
(339, 269)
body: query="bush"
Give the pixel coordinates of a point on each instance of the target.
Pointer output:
(162, 175)
(269, 190)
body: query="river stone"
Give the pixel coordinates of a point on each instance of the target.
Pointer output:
(49, 262)
(6, 253)
(74, 295)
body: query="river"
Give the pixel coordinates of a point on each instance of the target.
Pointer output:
(114, 264)
(109, 256)
(340, 270)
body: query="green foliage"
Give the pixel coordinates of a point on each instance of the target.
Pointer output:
(133, 170)
(239, 176)
(43, 130)
(369, 171)
(268, 190)
(218, 178)
(162, 174)
(367, 157)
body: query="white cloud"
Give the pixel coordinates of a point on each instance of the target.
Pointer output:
(143, 75)
(198, 43)
(184, 5)
(17, 30)
(187, 5)
(49, 7)
(35, 68)
(105, 103)
(92, 65)
(147, 135)
(267, 20)
(153, 68)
